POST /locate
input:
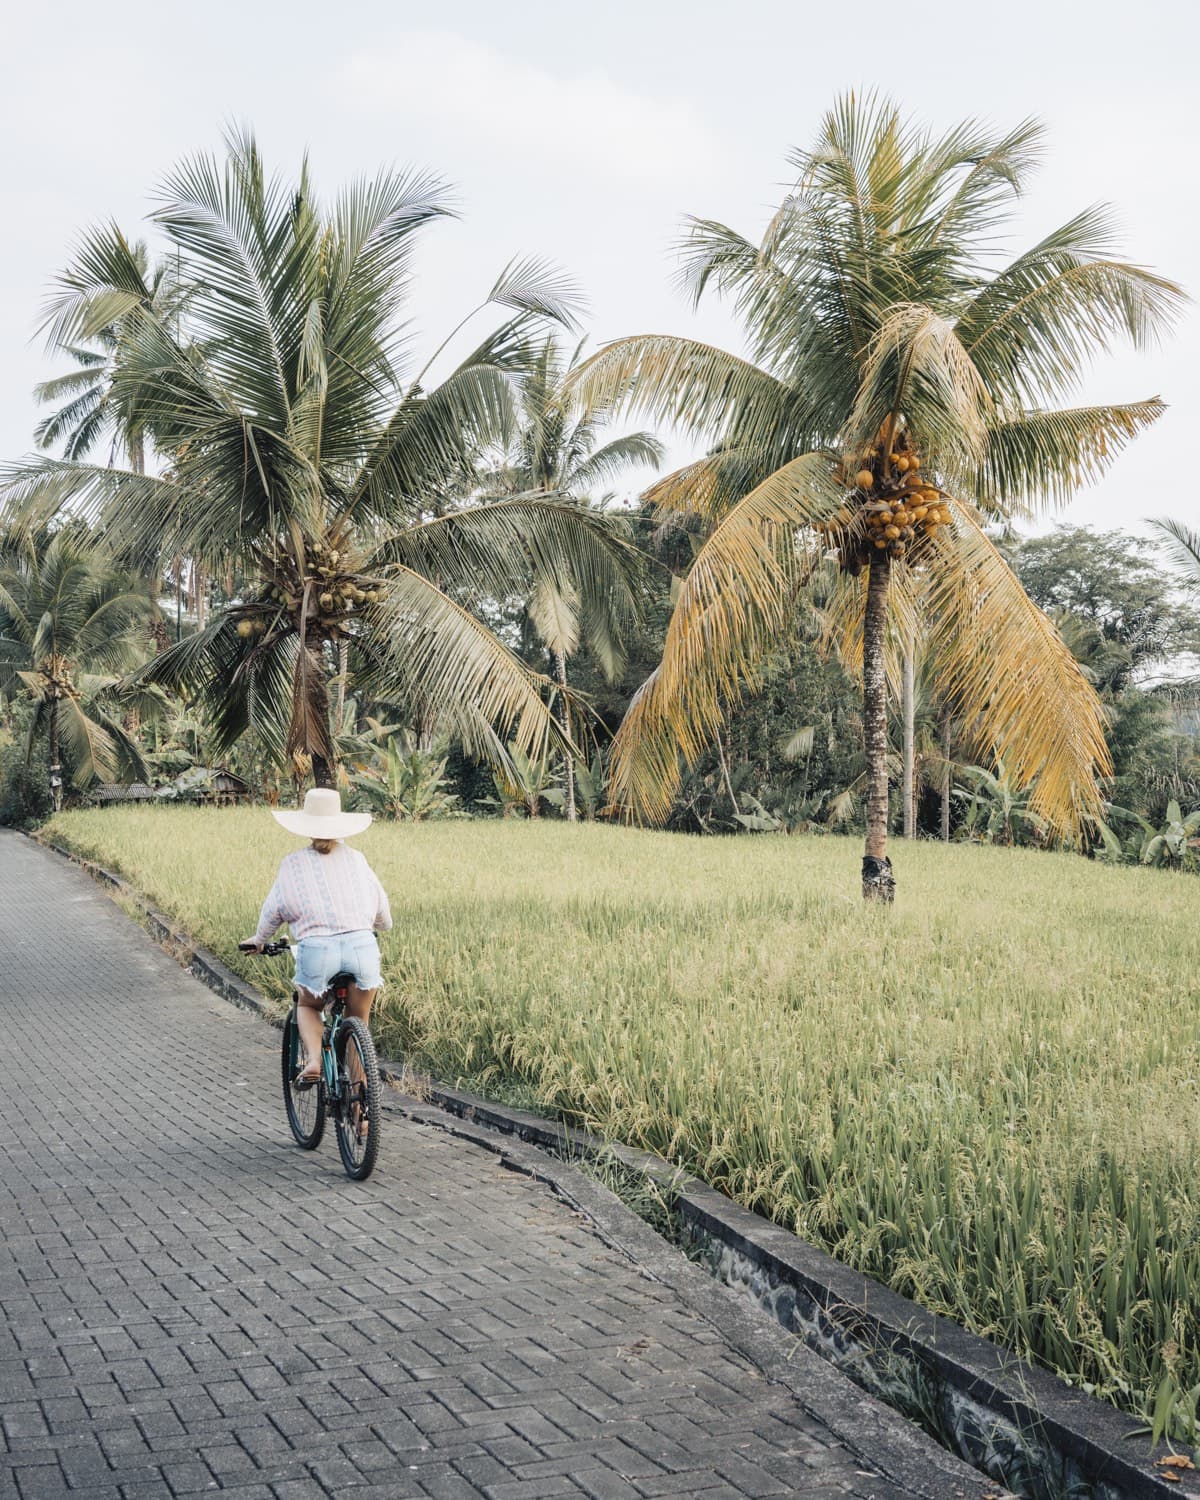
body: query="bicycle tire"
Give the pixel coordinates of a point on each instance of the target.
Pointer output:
(305, 1107)
(358, 1109)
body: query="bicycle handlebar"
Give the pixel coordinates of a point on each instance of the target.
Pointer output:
(268, 950)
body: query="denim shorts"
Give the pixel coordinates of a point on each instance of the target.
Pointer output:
(318, 959)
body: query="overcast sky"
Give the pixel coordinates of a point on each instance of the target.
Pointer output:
(586, 132)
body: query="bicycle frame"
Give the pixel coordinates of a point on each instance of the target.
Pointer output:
(333, 1010)
(332, 1017)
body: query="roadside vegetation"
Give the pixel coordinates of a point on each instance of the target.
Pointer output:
(986, 1097)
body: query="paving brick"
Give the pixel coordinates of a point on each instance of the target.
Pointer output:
(190, 1305)
(188, 1478)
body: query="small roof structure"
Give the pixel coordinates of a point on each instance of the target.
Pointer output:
(136, 791)
(205, 783)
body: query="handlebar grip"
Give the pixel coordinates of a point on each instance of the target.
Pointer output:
(268, 950)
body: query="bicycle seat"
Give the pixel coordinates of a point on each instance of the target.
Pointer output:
(342, 980)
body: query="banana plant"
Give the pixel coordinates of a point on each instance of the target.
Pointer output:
(1173, 846)
(591, 786)
(407, 783)
(523, 784)
(997, 809)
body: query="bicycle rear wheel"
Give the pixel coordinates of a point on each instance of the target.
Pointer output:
(358, 1107)
(305, 1107)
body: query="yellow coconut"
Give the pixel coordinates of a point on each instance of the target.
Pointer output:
(864, 479)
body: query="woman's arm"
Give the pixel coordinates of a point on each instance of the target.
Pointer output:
(274, 913)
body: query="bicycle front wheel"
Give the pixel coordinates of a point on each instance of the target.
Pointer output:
(305, 1107)
(358, 1107)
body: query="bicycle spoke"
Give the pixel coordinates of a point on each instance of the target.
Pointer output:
(305, 1106)
(358, 1112)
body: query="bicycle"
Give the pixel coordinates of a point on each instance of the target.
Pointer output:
(348, 1088)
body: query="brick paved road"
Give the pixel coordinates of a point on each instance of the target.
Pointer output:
(191, 1304)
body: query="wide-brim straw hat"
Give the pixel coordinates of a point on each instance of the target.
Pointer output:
(322, 817)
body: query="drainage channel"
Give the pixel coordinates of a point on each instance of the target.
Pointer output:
(1015, 1424)
(1022, 1461)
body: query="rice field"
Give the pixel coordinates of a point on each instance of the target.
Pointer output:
(988, 1097)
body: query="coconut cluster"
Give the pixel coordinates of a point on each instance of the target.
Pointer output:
(341, 591)
(893, 507)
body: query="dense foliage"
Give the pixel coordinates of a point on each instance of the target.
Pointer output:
(412, 578)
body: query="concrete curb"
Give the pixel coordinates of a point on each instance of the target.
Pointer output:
(1102, 1443)
(917, 1466)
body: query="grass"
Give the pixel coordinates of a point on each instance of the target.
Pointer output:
(988, 1097)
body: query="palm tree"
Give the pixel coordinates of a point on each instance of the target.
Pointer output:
(556, 448)
(67, 632)
(90, 410)
(899, 388)
(302, 446)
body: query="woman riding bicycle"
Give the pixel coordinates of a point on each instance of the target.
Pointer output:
(334, 904)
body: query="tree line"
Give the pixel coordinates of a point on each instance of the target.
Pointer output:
(407, 572)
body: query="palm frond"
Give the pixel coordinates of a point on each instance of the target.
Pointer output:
(693, 386)
(1184, 544)
(431, 438)
(917, 368)
(536, 286)
(736, 600)
(104, 284)
(1033, 328)
(1041, 458)
(996, 654)
(93, 751)
(429, 648)
(242, 231)
(309, 729)
(611, 460)
(709, 486)
(503, 547)
(554, 614)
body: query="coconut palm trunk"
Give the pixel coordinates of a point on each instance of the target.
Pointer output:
(55, 767)
(572, 813)
(945, 776)
(909, 715)
(878, 882)
(343, 673)
(312, 706)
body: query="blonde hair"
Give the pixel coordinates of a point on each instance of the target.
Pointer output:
(324, 846)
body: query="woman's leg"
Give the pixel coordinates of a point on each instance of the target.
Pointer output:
(358, 1003)
(312, 1030)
